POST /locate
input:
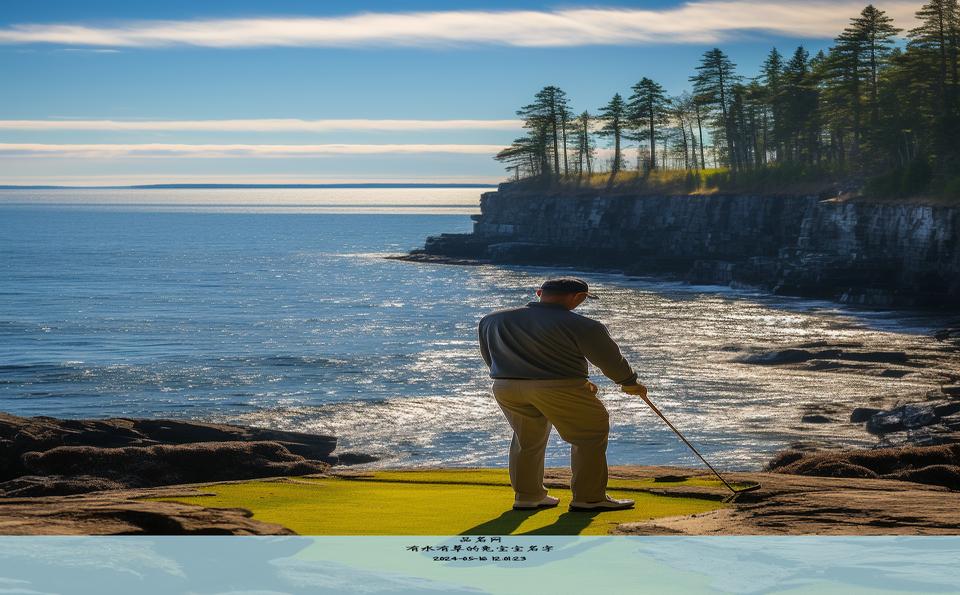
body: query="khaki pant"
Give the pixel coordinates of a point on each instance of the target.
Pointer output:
(570, 405)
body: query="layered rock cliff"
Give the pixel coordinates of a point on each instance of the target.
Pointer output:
(874, 254)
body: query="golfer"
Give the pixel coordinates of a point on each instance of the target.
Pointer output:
(538, 355)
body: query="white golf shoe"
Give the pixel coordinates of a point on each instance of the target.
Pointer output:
(603, 505)
(546, 502)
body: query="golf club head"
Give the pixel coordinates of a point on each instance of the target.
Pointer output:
(732, 497)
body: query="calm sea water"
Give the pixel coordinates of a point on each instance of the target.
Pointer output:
(276, 308)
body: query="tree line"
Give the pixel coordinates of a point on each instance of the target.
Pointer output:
(881, 105)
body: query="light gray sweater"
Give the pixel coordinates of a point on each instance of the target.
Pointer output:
(543, 340)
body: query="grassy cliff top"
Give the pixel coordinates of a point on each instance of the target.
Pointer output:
(769, 180)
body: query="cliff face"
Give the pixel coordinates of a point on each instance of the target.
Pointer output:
(855, 252)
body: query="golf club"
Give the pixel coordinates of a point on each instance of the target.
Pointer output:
(687, 442)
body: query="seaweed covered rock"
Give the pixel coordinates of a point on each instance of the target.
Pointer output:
(935, 465)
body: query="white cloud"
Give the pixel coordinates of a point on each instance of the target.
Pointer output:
(261, 125)
(112, 151)
(88, 50)
(706, 21)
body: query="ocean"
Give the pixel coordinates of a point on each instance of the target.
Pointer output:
(277, 308)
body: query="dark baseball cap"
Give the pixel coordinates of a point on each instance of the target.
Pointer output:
(567, 285)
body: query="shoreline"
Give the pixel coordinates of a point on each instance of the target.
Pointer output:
(933, 415)
(869, 254)
(75, 488)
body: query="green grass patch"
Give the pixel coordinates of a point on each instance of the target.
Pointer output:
(784, 178)
(436, 502)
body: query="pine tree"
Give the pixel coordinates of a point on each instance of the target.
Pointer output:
(646, 110)
(583, 145)
(716, 76)
(800, 105)
(933, 55)
(698, 114)
(613, 117)
(876, 33)
(682, 115)
(549, 114)
(771, 78)
(846, 61)
(888, 114)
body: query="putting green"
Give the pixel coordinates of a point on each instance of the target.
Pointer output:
(436, 502)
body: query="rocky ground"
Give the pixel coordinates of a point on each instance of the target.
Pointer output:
(802, 505)
(60, 476)
(124, 512)
(934, 465)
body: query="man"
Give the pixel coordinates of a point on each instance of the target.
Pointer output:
(537, 357)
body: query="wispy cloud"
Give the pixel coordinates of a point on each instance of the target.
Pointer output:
(87, 50)
(261, 125)
(691, 22)
(112, 151)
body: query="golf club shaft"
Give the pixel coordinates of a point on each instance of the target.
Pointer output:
(687, 442)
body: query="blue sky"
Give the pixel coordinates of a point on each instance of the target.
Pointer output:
(111, 63)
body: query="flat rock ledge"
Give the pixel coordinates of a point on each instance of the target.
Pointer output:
(423, 257)
(801, 505)
(46, 456)
(125, 512)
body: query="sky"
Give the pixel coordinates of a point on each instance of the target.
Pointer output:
(105, 92)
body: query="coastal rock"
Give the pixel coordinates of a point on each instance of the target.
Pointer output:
(48, 456)
(419, 256)
(951, 422)
(951, 335)
(862, 414)
(800, 446)
(865, 253)
(167, 464)
(937, 465)
(112, 513)
(456, 245)
(355, 458)
(947, 409)
(882, 357)
(901, 418)
(802, 505)
(19, 435)
(787, 457)
(829, 468)
(56, 485)
(932, 435)
(943, 475)
(816, 418)
(786, 356)
(832, 359)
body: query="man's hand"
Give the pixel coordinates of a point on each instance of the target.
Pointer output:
(634, 389)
